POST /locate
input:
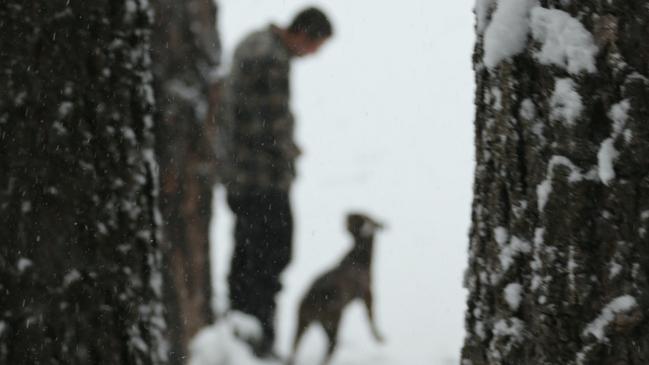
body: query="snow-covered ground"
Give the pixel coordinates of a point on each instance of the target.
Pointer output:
(384, 117)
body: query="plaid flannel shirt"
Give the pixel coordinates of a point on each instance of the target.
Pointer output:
(261, 150)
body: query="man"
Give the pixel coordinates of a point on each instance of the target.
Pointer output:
(260, 162)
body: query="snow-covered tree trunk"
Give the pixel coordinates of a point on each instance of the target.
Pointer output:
(559, 254)
(80, 278)
(186, 51)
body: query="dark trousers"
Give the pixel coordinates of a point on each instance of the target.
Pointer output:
(263, 237)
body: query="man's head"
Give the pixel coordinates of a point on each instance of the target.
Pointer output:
(308, 31)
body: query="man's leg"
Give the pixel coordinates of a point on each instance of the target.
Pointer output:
(274, 255)
(263, 249)
(239, 278)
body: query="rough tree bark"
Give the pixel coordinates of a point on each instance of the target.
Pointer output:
(186, 51)
(80, 279)
(559, 261)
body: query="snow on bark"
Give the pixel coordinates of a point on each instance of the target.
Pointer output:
(509, 247)
(507, 333)
(23, 264)
(616, 307)
(544, 189)
(513, 295)
(509, 252)
(564, 41)
(607, 153)
(536, 265)
(615, 269)
(506, 34)
(482, 9)
(566, 102)
(528, 110)
(606, 157)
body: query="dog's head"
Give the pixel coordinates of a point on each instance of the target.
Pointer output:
(361, 225)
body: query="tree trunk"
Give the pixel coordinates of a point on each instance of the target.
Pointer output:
(559, 259)
(186, 51)
(80, 277)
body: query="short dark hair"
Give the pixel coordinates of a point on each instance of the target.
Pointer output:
(312, 22)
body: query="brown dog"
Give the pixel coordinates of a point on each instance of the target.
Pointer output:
(332, 291)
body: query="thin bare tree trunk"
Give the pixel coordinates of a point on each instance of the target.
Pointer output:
(186, 51)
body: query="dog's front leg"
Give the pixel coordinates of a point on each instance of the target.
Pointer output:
(367, 298)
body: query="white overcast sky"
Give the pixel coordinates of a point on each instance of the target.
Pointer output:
(385, 118)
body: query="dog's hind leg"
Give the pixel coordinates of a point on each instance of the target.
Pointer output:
(331, 328)
(299, 331)
(367, 298)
